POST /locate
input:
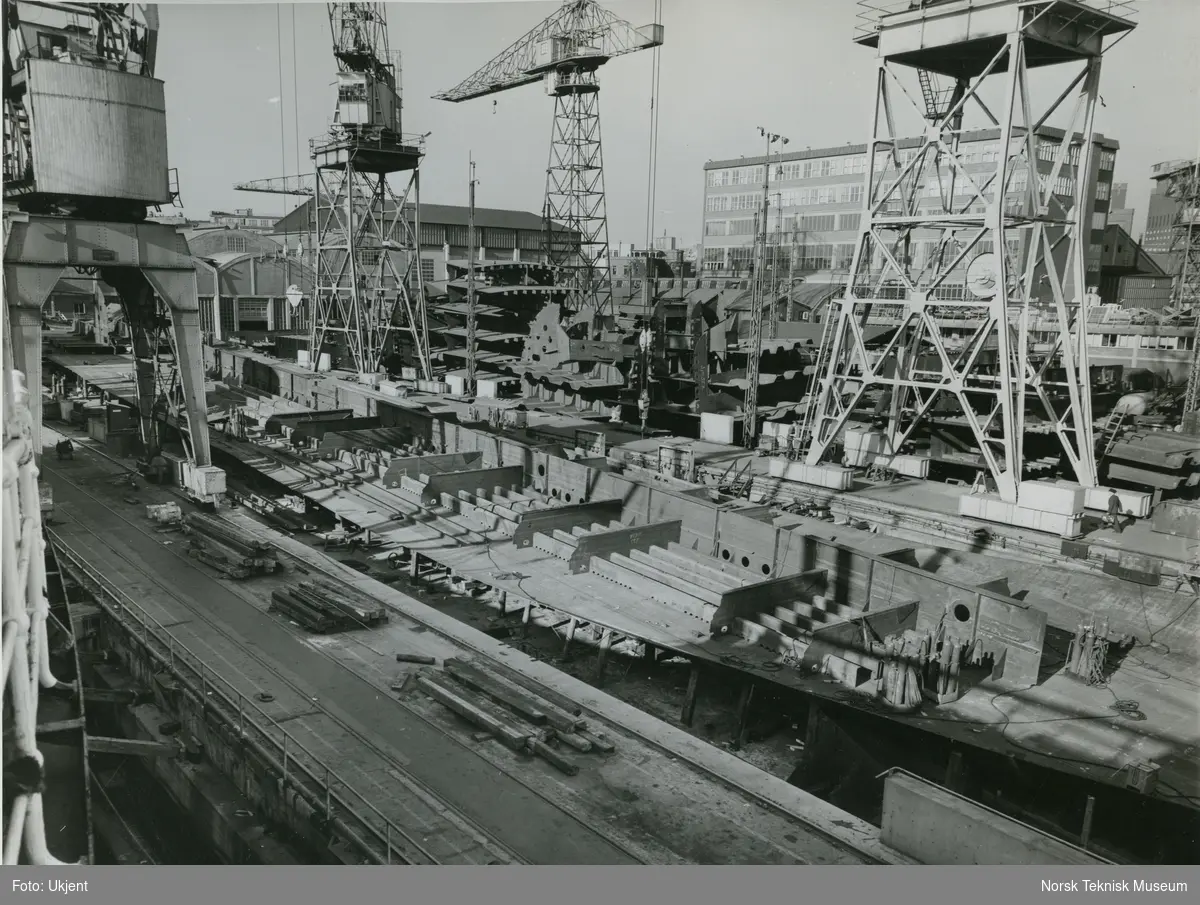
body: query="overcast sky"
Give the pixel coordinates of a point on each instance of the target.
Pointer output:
(728, 66)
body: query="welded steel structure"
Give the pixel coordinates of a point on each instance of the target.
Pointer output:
(75, 69)
(1005, 242)
(565, 51)
(368, 277)
(1183, 184)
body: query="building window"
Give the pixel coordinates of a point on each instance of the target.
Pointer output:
(1108, 159)
(716, 228)
(235, 244)
(427, 274)
(814, 222)
(850, 194)
(1099, 220)
(741, 227)
(714, 258)
(370, 257)
(849, 221)
(1102, 190)
(716, 203)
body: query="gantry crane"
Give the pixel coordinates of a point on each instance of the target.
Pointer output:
(565, 51)
(86, 71)
(1183, 184)
(1024, 225)
(368, 286)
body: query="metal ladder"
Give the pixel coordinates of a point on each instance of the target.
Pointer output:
(1110, 431)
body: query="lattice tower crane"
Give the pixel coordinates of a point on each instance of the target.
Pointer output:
(565, 51)
(367, 288)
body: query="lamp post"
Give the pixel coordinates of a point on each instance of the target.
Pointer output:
(750, 408)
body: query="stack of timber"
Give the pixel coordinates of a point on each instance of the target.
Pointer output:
(227, 548)
(322, 609)
(522, 717)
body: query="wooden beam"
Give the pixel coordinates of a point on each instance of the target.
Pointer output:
(743, 714)
(102, 745)
(570, 637)
(602, 657)
(59, 726)
(114, 695)
(689, 699)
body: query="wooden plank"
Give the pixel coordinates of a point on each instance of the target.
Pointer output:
(412, 466)
(102, 745)
(540, 699)
(763, 597)
(623, 540)
(521, 703)
(576, 515)
(509, 735)
(508, 477)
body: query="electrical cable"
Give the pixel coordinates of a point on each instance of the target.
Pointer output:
(279, 60)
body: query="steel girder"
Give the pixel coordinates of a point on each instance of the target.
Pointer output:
(1041, 234)
(368, 277)
(576, 232)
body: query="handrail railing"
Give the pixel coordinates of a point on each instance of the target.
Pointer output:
(241, 710)
(872, 11)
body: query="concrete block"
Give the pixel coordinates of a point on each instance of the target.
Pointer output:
(909, 466)
(1132, 501)
(992, 509)
(716, 428)
(831, 477)
(1060, 498)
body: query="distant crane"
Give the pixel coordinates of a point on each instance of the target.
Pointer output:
(368, 285)
(565, 51)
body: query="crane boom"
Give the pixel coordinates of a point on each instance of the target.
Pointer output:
(580, 29)
(565, 50)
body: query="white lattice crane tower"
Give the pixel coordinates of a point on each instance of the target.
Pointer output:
(952, 245)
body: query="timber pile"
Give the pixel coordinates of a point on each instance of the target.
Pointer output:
(227, 548)
(522, 718)
(322, 609)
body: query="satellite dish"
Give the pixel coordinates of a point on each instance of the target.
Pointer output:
(982, 277)
(294, 296)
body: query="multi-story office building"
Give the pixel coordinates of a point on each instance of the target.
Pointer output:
(816, 202)
(1118, 213)
(1161, 213)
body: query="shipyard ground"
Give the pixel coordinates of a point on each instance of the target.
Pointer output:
(643, 803)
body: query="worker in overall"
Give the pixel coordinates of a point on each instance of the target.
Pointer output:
(1113, 518)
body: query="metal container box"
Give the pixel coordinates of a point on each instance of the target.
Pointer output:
(120, 117)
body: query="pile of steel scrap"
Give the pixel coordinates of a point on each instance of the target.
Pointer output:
(521, 715)
(323, 609)
(227, 548)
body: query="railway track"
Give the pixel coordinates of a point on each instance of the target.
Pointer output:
(442, 828)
